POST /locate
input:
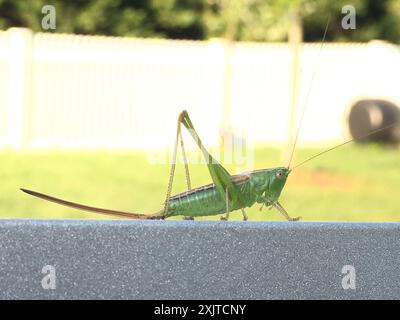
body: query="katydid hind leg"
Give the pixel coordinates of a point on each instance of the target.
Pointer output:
(220, 176)
(172, 170)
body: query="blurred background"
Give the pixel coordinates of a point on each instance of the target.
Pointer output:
(90, 92)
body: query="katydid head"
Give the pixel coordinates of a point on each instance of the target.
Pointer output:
(269, 183)
(277, 181)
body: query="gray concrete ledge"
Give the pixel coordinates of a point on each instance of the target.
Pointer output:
(198, 259)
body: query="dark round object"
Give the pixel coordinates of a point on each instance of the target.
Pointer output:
(369, 115)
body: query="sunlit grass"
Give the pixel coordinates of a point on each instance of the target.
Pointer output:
(354, 183)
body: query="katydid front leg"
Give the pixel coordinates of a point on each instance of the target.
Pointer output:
(245, 217)
(269, 204)
(279, 207)
(226, 216)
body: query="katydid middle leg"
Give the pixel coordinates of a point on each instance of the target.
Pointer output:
(226, 216)
(245, 217)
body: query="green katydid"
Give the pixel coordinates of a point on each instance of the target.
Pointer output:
(226, 194)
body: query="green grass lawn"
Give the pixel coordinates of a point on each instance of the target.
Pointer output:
(354, 183)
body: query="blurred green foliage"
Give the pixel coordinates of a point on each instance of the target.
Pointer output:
(246, 20)
(354, 183)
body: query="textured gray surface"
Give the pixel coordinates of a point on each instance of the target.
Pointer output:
(198, 259)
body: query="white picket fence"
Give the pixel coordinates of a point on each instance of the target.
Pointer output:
(73, 91)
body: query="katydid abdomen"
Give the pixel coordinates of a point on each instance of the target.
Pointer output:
(206, 200)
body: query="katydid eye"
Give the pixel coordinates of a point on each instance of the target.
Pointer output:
(280, 174)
